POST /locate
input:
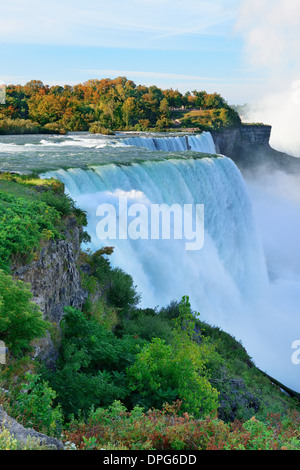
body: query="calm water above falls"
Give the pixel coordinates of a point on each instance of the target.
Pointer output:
(83, 150)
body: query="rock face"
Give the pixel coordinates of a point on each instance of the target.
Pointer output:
(233, 142)
(248, 146)
(55, 281)
(23, 434)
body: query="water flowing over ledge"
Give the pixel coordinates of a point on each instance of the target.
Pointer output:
(82, 150)
(197, 143)
(227, 271)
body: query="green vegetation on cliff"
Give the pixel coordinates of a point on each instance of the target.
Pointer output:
(125, 377)
(31, 210)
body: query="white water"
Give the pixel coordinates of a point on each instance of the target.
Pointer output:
(52, 152)
(163, 269)
(198, 143)
(227, 280)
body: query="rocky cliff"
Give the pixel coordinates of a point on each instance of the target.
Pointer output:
(249, 146)
(27, 436)
(55, 281)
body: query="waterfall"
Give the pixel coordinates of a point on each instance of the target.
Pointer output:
(230, 267)
(198, 143)
(227, 279)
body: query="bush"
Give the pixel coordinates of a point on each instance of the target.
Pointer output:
(27, 217)
(121, 293)
(19, 126)
(148, 326)
(166, 372)
(54, 128)
(91, 365)
(7, 441)
(21, 320)
(116, 428)
(23, 224)
(97, 128)
(33, 406)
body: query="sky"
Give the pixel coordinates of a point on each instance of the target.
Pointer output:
(231, 47)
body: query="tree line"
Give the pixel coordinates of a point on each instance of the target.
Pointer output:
(107, 105)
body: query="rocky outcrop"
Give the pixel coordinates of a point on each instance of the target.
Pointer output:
(55, 281)
(27, 436)
(248, 146)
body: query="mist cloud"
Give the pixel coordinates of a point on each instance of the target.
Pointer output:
(271, 31)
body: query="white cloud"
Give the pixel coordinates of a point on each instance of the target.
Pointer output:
(271, 30)
(137, 23)
(143, 74)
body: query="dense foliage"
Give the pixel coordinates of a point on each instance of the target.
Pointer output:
(21, 320)
(102, 106)
(30, 213)
(125, 378)
(116, 428)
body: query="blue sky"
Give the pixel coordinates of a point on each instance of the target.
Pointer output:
(184, 45)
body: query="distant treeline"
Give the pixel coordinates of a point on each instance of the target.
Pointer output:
(107, 105)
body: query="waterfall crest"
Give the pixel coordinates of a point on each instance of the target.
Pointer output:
(197, 143)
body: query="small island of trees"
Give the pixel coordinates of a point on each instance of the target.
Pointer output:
(108, 105)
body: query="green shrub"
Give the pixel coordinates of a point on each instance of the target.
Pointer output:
(7, 441)
(21, 320)
(32, 405)
(23, 224)
(166, 372)
(92, 363)
(98, 128)
(19, 126)
(27, 216)
(122, 293)
(148, 326)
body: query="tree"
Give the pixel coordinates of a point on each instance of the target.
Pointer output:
(34, 86)
(166, 372)
(199, 98)
(129, 109)
(214, 100)
(47, 108)
(164, 107)
(21, 320)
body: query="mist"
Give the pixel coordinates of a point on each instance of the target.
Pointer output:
(271, 33)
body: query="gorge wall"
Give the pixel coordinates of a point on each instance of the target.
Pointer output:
(55, 281)
(249, 147)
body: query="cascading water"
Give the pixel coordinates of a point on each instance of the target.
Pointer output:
(226, 280)
(164, 269)
(198, 143)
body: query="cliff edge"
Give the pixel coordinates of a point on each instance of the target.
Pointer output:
(249, 147)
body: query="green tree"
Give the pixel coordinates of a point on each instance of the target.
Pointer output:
(164, 107)
(166, 372)
(21, 320)
(90, 368)
(130, 109)
(33, 405)
(47, 108)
